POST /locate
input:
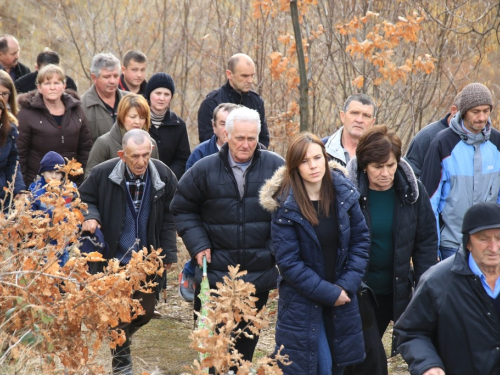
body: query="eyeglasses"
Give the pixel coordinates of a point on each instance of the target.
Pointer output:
(5, 94)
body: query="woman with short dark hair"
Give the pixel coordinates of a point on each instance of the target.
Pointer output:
(403, 231)
(321, 245)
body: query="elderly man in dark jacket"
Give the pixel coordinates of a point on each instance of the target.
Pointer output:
(217, 212)
(452, 324)
(129, 198)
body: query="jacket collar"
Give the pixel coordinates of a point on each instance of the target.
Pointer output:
(334, 146)
(116, 133)
(94, 99)
(117, 175)
(461, 262)
(268, 193)
(405, 182)
(223, 154)
(470, 139)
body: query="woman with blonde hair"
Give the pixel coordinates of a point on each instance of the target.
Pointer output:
(321, 245)
(133, 113)
(51, 119)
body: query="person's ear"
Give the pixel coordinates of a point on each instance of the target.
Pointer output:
(121, 154)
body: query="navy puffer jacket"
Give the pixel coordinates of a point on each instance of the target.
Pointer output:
(210, 214)
(303, 289)
(8, 161)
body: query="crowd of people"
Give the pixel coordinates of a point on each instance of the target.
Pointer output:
(353, 233)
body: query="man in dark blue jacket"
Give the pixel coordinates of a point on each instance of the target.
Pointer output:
(240, 75)
(9, 57)
(213, 145)
(217, 212)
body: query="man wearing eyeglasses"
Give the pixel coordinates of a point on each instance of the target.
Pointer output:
(9, 57)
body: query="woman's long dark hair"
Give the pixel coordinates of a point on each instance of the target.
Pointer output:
(292, 179)
(4, 122)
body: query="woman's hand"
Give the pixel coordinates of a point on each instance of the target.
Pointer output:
(343, 299)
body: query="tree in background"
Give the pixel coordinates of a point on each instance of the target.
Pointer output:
(193, 39)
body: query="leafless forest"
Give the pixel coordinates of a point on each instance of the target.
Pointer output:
(369, 46)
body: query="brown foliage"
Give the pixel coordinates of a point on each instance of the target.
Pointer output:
(231, 303)
(58, 315)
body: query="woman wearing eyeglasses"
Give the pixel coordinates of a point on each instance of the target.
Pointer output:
(51, 119)
(8, 92)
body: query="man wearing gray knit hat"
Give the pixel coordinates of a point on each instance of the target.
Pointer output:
(462, 166)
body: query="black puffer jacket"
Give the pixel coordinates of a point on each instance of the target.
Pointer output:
(414, 230)
(209, 213)
(172, 141)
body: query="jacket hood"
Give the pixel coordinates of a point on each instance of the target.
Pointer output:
(33, 100)
(469, 138)
(404, 176)
(267, 194)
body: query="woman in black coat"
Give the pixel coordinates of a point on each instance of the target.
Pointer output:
(403, 232)
(167, 129)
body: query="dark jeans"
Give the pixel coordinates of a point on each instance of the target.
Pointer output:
(375, 362)
(244, 345)
(446, 252)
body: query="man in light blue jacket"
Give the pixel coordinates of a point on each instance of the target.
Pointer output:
(462, 166)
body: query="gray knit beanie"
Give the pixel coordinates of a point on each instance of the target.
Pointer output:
(473, 95)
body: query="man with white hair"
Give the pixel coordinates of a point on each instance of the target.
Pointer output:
(100, 101)
(128, 198)
(217, 212)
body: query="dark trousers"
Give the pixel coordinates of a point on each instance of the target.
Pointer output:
(122, 359)
(244, 345)
(375, 362)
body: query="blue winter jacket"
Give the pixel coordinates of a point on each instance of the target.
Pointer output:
(303, 289)
(8, 161)
(209, 147)
(460, 169)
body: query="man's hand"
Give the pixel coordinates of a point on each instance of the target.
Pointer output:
(167, 266)
(90, 225)
(199, 257)
(343, 299)
(434, 371)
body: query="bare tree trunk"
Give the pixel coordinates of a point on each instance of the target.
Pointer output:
(304, 84)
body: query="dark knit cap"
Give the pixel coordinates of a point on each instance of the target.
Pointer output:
(159, 80)
(481, 216)
(49, 162)
(473, 95)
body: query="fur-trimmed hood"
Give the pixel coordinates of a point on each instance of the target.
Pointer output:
(34, 100)
(267, 195)
(404, 178)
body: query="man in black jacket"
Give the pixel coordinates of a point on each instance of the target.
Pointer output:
(240, 75)
(9, 57)
(129, 198)
(217, 212)
(27, 82)
(452, 324)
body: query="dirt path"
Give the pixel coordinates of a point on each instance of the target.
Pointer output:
(162, 345)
